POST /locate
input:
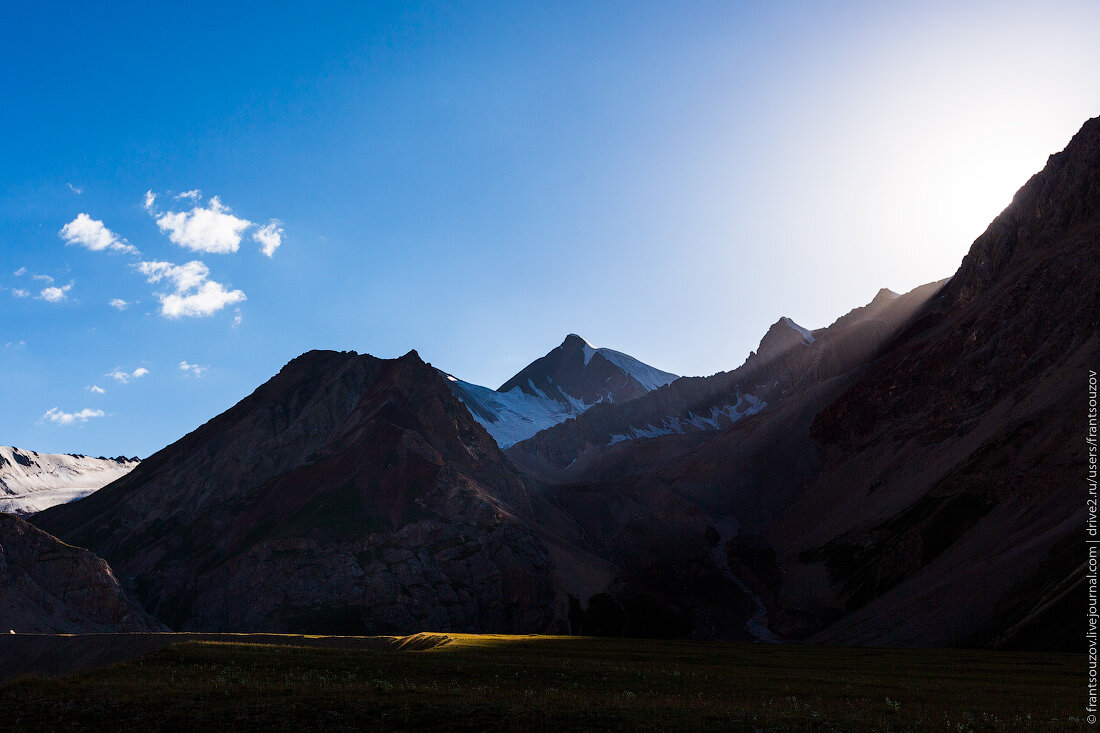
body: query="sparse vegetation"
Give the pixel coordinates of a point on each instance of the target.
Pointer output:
(491, 682)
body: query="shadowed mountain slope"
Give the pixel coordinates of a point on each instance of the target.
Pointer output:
(347, 494)
(950, 507)
(47, 586)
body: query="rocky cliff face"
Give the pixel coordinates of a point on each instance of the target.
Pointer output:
(948, 495)
(348, 494)
(49, 587)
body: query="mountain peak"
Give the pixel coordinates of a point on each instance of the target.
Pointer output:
(885, 294)
(781, 333)
(573, 341)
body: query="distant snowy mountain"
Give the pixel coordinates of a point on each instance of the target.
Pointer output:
(31, 482)
(558, 386)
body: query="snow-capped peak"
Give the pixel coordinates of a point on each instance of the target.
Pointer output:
(557, 386)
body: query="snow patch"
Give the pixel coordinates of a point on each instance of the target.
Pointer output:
(514, 415)
(647, 376)
(31, 482)
(718, 418)
(807, 337)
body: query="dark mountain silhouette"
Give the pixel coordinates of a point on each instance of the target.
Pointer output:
(348, 493)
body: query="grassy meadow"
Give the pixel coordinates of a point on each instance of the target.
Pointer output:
(478, 682)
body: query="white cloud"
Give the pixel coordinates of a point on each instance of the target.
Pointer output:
(56, 416)
(204, 229)
(20, 292)
(207, 300)
(194, 369)
(237, 319)
(75, 190)
(194, 195)
(150, 201)
(55, 294)
(15, 344)
(91, 233)
(43, 278)
(96, 389)
(183, 277)
(122, 376)
(20, 272)
(119, 304)
(270, 236)
(195, 294)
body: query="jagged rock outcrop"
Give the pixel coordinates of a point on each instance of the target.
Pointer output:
(49, 587)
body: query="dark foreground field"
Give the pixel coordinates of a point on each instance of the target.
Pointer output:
(491, 682)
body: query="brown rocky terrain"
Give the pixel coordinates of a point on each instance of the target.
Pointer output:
(47, 586)
(347, 494)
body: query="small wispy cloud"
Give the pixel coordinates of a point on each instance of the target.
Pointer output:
(15, 344)
(237, 319)
(55, 294)
(150, 202)
(74, 189)
(209, 228)
(269, 236)
(43, 278)
(194, 293)
(192, 369)
(119, 304)
(193, 195)
(57, 416)
(20, 272)
(122, 376)
(20, 293)
(93, 234)
(96, 389)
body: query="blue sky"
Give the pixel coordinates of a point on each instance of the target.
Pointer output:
(477, 180)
